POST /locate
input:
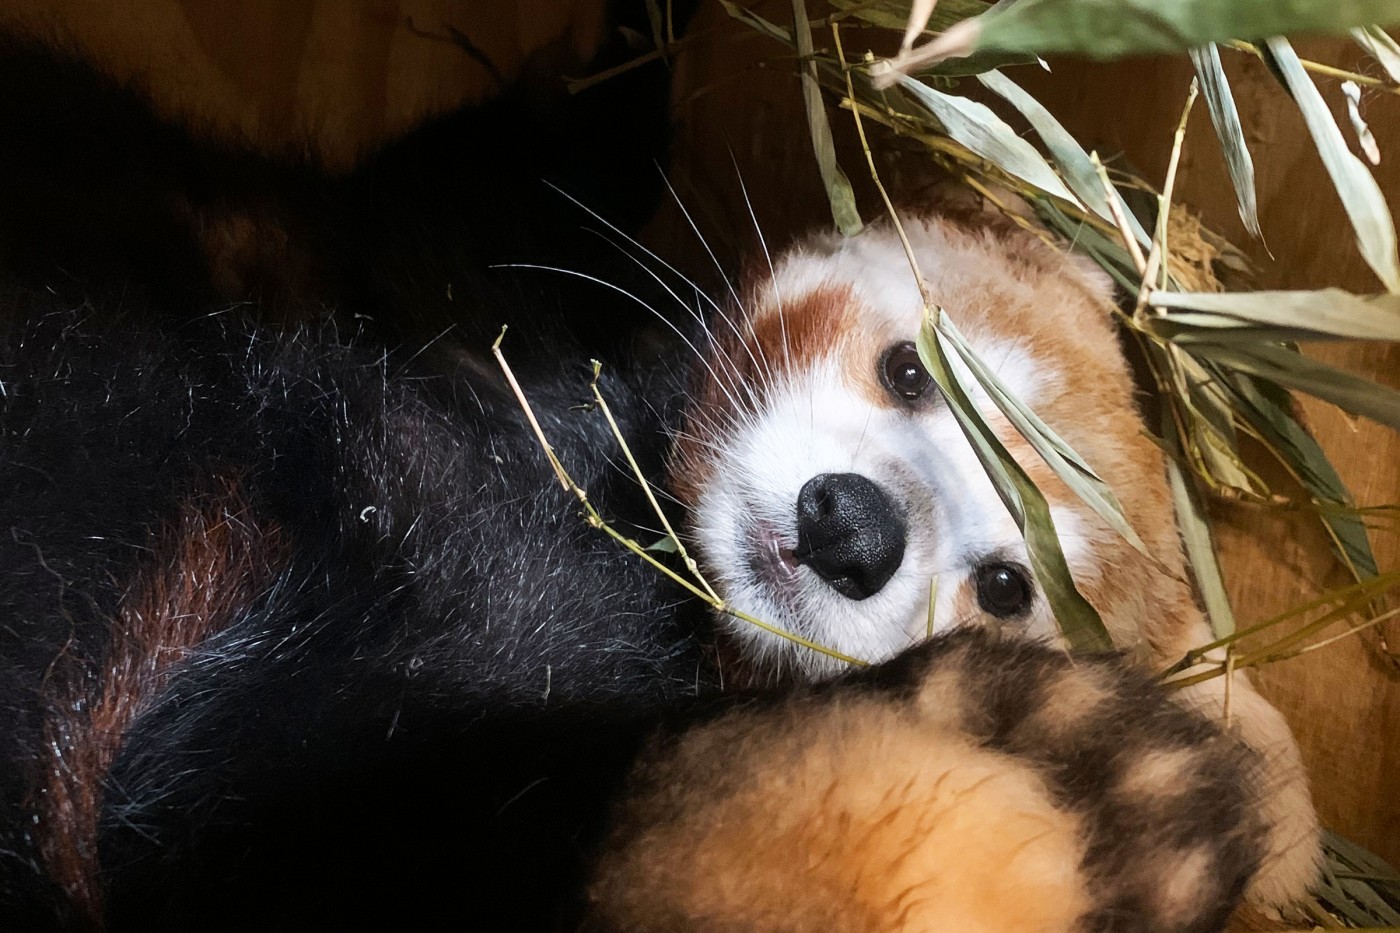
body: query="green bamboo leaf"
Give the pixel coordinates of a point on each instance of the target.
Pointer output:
(1107, 251)
(1325, 314)
(1224, 116)
(1106, 29)
(1286, 367)
(1211, 423)
(666, 545)
(1079, 623)
(838, 186)
(1057, 454)
(1200, 545)
(1362, 197)
(1074, 163)
(1380, 46)
(1268, 409)
(975, 126)
(1371, 901)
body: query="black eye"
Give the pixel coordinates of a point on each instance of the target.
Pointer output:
(1004, 590)
(904, 374)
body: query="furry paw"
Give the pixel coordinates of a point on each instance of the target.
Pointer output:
(971, 784)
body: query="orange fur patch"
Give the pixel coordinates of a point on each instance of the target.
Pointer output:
(214, 558)
(800, 334)
(888, 822)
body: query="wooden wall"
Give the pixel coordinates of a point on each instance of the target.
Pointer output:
(339, 76)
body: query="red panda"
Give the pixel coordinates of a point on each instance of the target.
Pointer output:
(297, 631)
(829, 485)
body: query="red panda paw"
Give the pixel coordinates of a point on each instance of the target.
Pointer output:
(973, 784)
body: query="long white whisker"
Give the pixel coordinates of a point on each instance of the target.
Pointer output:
(622, 291)
(766, 369)
(767, 256)
(700, 319)
(633, 240)
(703, 242)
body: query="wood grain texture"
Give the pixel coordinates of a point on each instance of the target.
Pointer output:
(320, 75)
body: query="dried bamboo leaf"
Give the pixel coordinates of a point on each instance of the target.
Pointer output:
(975, 126)
(1226, 119)
(898, 16)
(838, 186)
(1074, 163)
(1364, 137)
(1287, 367)
(1380, 46)
(1362, 197)
(1072, 470)
(1325, 314)
(1078, 621)
(754, 21)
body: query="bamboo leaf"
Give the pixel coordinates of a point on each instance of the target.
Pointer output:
(1226, 119)
(1105, 29)
(1072, 470)
(1380, 46)
(1362, 197)
(975, 126)
(1347, 868)
(1325, 314)
(1074, 163)
(1200, 545)
(757, 22)
(666, 545)
(1079, 623)
(1109, 252)
(1364, 137)
(1268, 410)
(897, 15)
(838, 186)
(1211, 424)
(1283, 366)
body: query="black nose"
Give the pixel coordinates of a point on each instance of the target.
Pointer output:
(850, 532)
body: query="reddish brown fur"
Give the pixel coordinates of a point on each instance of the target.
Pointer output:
(1070, 324)
(214, 557)
(743, 366)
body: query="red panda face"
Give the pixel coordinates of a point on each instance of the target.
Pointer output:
(830, 487)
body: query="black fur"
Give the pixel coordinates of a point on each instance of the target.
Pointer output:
(393, 724)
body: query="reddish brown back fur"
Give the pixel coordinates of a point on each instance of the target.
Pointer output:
(214, 557)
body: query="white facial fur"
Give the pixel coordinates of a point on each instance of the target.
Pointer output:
(816, 419)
